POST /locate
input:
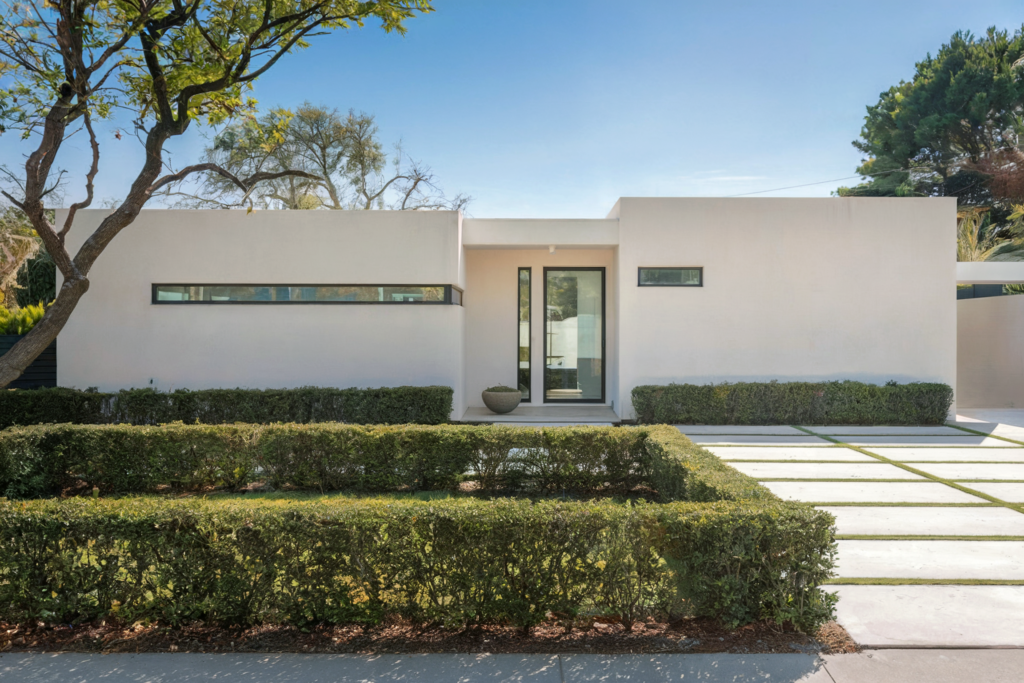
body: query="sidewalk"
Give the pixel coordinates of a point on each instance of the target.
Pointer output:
(879, 666)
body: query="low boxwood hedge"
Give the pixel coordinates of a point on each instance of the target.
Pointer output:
(390, 405)
(793, 403)
(52, 459)
(718, 544)
(458, 561)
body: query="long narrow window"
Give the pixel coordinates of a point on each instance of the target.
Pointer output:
(524, 333)
(307, 294)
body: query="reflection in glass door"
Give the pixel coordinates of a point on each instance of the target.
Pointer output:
(574, 335)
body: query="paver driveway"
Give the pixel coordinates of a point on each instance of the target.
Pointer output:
(930, 520)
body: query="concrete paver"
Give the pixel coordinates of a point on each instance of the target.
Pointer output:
(927, 666)
(909, 455)
(740, 429)
(819, 470)
(783, 453)
(699, 667)
(895, 430)
(954, 471)
(966, 440)
(934, 616)
(750, 439)
(927, 521)
(279, 668)
(999, 560)
(1011, 493)
(870, 492)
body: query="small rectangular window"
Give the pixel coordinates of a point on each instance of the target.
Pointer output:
(671, 277)
(307, 294)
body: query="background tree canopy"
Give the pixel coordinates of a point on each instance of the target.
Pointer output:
(344, 165)
(954, 130)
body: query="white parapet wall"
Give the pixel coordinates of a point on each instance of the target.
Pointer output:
(117, 338)
(794, 289)
(990, 352)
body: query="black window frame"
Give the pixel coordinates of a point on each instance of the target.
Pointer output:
(640, 269)
(447, 301)
(604, 337)
(529, 327)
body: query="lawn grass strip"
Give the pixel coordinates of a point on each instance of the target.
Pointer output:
(854, 504)
(994, 436)
(849, 479)
(862, 581)
(818, 462)
(914, 470)
(922, 537)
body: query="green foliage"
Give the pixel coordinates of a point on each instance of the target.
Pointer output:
(389, 405)
(20, 321)
(501, 388)
(810, 403)
(345, 163)
(940, 134)
(309, 560)
(37, 280)
(51, 459)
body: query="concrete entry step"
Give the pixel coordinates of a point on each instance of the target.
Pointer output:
(544, 414)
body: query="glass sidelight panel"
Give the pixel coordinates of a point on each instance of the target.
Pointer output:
(524, 333)
(574, 334)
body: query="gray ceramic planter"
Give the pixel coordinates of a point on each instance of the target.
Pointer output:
(501, 402)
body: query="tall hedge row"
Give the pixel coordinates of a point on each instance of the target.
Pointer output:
(391, 405)
(793, 403)
(119, 459)
(456, 561)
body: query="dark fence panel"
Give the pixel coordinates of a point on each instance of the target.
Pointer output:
(42, 372)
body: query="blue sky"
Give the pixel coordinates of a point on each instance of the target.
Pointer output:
(556, 108)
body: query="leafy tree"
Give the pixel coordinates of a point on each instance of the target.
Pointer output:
(345, 163)
(953, 130)
(18, 245)
(163, 63)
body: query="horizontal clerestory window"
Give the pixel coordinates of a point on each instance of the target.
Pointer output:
(307, 294)
(671, 277)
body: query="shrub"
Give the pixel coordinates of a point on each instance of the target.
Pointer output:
(51, 459)
(20, 321)
(809, 403)
(393, 405)
(502, 389)
(308, 560)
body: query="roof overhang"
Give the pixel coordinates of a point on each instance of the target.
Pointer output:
(511, 233)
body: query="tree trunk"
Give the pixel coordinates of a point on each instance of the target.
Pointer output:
(21, 355)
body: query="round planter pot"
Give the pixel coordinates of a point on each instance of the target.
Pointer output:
(501, 402)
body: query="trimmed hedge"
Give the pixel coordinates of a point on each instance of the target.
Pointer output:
(794, 403)
(455, 562)
(51, 459)
(392, 405)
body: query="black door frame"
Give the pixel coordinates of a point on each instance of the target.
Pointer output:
(604, 325)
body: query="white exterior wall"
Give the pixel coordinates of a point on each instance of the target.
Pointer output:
(794, 289)
(492, 295)
(117, 338)
(990, 352)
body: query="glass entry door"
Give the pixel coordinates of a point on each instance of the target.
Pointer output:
(574, 335)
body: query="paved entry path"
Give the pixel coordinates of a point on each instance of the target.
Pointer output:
(930, 520)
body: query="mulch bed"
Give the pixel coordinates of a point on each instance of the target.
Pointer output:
(602, 636)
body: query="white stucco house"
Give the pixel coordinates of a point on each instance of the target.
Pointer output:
(572, 311)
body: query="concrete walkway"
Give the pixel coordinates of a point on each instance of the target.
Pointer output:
(880, 666)
(930, 521)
